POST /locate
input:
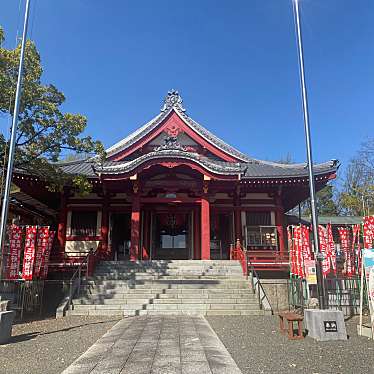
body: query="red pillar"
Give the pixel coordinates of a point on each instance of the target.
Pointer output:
(237, 219)
(61, 230)
(104, 228)
(238, 224)
(196, 228)
(205, 229)
(135, 228)
(146, 236)
(279, 222)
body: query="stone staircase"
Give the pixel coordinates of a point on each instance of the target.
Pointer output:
(175, 287)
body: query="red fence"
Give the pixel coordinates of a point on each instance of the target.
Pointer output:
(237, 253)
(63, 262)
(269, 260)
(261, 260)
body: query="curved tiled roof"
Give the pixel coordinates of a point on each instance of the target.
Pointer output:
(223, 168)
(90, 167)
(248, 167)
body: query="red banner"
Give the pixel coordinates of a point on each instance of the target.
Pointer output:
(331, 248)
(345, 247)
(15, 245)
(322, 232)
(305, 238)
(356, 250)
(291, 250)
(368, 232)
(42, 244)
(45, 257)
(29, 253)
(297, 242)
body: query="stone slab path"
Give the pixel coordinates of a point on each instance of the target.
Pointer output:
(157, 345)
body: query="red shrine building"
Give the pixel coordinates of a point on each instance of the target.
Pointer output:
(174, 190)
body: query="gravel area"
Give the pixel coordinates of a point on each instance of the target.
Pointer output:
(49, 346)
(257, 346)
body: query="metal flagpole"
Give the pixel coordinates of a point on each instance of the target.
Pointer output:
(319, 256)
(12, 146)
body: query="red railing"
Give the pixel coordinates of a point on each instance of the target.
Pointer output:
(64, 262)
(264, 260)
(237, 253)
(268, 260)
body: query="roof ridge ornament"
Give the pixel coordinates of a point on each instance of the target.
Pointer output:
(171, 143)
(173, 99)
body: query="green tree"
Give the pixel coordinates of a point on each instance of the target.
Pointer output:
(357, 195)
(326, 202)
(44, 131)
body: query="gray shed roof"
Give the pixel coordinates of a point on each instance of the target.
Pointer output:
(324, 220)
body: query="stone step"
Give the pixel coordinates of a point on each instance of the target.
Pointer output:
(167, 296)
(164, 307)
(224, 296)
(172, 280)
(186, 269)
(153, 263)
(158, 267)
(114, 301)
(172, 270)
(117, 307)
(120, 313)
(179, 273)
(196, 306)
(156, 287)
(228, 312)
(204, 301)
(94, 312)
(167, 287)
(111, 277)
(168, 300)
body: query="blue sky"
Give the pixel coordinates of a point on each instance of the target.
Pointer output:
(234, 62)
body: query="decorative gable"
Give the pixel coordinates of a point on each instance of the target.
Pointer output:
(173, 123)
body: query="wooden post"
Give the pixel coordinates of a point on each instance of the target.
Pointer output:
(135, 228)
(205, 229)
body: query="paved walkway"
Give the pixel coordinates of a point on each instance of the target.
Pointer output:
(157, 345)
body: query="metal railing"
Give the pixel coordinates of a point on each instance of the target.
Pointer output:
(341, 293)
(297, 293)
(257, 285)
(75, 282)
(237, 252)
(24, 296)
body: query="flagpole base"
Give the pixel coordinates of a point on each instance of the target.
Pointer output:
(325, 325)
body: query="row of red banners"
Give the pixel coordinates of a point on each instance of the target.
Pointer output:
(301, 253)
(37, 248)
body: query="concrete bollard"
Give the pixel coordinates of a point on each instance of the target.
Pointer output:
(6, 322)
(324, 325)
(4, 305)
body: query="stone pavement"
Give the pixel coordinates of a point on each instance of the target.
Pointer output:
(157, 345)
